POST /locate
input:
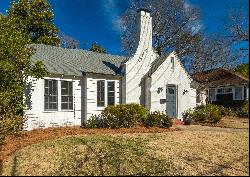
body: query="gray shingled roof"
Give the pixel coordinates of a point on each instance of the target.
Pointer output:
(76, 61)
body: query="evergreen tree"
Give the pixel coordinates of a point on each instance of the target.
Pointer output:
(242, 69)
(97, 48)
(15, 66)
(35, 17)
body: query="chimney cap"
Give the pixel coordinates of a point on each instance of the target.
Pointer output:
(143, 9)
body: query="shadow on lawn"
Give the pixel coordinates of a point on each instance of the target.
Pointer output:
(116, 159)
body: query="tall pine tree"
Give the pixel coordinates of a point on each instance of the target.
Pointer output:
(36, 18)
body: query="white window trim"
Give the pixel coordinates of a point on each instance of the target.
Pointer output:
(58, 94)
(50, 110)
(67, 110)
(113, 91)
(106, 92)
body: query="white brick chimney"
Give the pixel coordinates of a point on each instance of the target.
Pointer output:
(144, 30)
(139, 64)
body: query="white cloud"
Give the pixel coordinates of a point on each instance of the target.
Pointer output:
(111, 14)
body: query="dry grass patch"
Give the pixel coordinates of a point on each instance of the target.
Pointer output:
(230, 122)
(234, 122)
(26, 138)
(186, 152)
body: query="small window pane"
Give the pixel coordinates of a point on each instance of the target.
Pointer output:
(46, 83)
(70, 99)
(71, 106)
(238, 93)
(64, 99)
(211, 96)
(219, 91)
(172, 62)
(64, 105)
(100, 93)
(111, 93)
(70, 88)
(170, 91)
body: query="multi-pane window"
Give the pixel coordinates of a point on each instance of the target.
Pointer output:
(211, 95)
(224, 90)
(111, 93)
(50, 95)
(100, 93)
(238, 93)
(66, 95)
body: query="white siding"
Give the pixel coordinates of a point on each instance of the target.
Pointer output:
(92, 107)
(38, 118)
(164, 76)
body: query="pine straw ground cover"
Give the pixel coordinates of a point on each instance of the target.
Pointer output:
(186, 152)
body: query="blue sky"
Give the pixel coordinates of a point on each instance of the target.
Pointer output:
(97, 20)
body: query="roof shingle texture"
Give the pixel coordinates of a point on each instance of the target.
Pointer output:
(76, 61)
(219, 77)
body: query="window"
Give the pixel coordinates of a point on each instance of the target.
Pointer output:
(170, 90)
(66, 95)
(111, 93)
(172, 62)
(238, 93)
(100, 93)
(50, 95)
(224, 90)
(211, 95)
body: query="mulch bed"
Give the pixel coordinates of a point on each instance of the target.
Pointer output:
(15, 142)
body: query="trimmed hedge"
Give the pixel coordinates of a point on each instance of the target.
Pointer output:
(205, 113)
(126, 116)
(157, 119)
(123, 116)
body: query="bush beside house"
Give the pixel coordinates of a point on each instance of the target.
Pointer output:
(203, 114)
(127, 116)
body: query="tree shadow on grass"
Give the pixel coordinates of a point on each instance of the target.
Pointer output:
(115, 158)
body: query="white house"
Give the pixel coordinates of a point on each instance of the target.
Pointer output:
(82, 83)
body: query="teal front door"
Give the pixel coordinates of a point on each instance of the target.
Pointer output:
(171, 101)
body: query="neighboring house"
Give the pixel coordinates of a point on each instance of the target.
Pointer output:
(221, 87)
(82, 83)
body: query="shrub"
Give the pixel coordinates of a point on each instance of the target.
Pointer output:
(157, 119)
(188, 116)
(10, 125)
(205, 113)
(244, 110)
(228, 111)
(153, 119)
(94, 121)
(126, 115)
(166, 121)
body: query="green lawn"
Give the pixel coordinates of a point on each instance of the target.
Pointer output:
(191, 151)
